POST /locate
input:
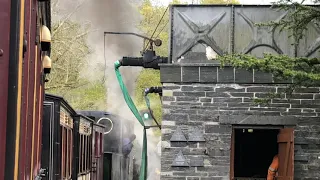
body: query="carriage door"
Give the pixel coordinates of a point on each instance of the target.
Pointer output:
(95, 163)
(286, 154)
(47, 139)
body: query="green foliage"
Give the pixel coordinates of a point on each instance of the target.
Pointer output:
(92, 96)
(151, 17)
(146, 79)
(298, 18)
(69, 53)
(303, 71)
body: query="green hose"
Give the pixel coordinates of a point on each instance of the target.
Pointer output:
(134, 110)
(150, 110)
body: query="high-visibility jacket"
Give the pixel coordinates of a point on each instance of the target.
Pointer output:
(273, 168)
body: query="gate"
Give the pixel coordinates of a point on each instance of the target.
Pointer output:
(232, 29)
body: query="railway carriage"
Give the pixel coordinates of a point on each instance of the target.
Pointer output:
(83, 148)
(37, 130)
(24, 60)
(58, 138)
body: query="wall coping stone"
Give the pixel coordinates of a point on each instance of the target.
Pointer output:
(213, 73)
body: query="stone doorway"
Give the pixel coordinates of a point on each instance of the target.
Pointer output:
(253, 149)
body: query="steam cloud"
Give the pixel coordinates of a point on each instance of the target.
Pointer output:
(119, 16)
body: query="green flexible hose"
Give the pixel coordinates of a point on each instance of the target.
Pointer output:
(150, 110)
(134, 110)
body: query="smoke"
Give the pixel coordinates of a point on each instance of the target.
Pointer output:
(119, 16)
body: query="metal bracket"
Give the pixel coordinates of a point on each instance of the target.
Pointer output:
(148, 127)
(42, 173)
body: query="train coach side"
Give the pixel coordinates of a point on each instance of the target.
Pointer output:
(82, 148)
(23, 50)
(58, 138)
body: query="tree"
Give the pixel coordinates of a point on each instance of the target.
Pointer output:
(304, 71)
(69, 54)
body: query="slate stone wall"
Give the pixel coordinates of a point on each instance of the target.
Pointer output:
(212, 100)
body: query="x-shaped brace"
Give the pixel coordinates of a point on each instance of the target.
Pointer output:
(201, 34)
(255, 29)
(315, 45)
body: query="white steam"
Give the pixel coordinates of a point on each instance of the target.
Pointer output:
(119, 16)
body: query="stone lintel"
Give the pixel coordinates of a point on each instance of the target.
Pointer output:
(258, 120)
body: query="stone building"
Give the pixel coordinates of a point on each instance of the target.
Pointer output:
(211, 128)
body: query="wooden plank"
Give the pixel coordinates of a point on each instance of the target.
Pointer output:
(31, 90)
(25, 89)
(232, 153)
(286, 154)
(4, 74)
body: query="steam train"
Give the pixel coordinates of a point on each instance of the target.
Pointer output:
(41, 135)
(86, 145)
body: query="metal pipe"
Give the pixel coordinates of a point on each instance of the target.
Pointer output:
(154, 89)
(131, 61)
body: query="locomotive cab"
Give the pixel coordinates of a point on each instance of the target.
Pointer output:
(117, 145)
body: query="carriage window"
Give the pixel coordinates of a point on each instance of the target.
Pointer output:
(66, 145)
(67, 153)
(85, 154)
(85, 148)
(81, 158)
(80, 153)
(63, 144)
(96, 145)
(88, 153)
(70, 145)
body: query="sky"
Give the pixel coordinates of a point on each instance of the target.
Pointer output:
(166, 2)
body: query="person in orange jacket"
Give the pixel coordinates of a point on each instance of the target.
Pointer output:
(273, 168)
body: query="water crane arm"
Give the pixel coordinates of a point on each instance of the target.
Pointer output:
(157, 42)
(149, 58)
(146, 62)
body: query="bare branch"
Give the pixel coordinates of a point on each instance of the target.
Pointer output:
(67, 17)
